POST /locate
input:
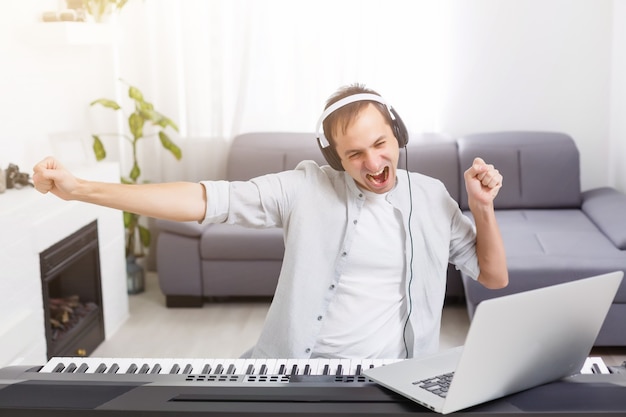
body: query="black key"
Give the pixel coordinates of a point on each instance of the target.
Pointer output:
(82, 368)
(70, 368)
(101, 368)
(294, 370)
(326, 370)
(231, 369)
(358, 369)
(339, 370)
(307, 370)
(206, 369)
(144, 368)
(281, 370)
(250, 370)
(188, 369)
(132, 369)
(113, 369)
(219, 369)
(58, 368)
(175, 369)
(263, 370)
(156, 369)
(595, 369)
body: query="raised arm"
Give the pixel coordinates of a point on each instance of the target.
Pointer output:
(179, 201)
(483, 182)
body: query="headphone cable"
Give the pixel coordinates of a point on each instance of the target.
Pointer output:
(410, 301)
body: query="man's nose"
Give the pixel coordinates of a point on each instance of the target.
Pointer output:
(372, 161)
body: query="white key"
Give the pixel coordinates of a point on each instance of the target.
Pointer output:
(589, 365)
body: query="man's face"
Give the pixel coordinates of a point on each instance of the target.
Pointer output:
(369, 151)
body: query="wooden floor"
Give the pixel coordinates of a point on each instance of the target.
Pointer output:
(227, 329)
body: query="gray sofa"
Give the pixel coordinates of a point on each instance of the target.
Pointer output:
(553, 232)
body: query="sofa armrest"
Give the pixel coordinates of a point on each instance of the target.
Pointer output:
(190, 229)
(606, 207)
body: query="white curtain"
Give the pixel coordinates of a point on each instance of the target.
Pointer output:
(224, 67)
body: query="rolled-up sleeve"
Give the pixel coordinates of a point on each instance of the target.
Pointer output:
(217, 206)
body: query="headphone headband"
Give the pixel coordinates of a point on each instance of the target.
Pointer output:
(344, 102)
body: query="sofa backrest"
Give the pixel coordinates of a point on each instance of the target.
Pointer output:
(436, 156)
(260, 153)
(540, 169)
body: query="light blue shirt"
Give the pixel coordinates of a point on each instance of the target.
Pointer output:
(318, 208)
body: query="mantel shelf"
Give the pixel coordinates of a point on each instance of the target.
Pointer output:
(71, 33)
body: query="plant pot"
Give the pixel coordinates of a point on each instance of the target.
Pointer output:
(135, 276)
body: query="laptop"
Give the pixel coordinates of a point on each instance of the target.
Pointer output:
(514, 342)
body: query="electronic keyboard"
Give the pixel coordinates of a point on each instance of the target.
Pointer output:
(68, 386)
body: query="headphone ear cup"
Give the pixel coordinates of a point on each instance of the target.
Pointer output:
(331, 157)
(399, 129)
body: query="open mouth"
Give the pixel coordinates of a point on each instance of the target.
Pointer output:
(379, 177)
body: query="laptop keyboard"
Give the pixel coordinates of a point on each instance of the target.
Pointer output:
(438, 385)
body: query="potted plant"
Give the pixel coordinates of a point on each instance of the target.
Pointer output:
(100, 10)
(138, 237)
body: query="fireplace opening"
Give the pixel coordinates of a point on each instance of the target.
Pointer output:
(72, 294)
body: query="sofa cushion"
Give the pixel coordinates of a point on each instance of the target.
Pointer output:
(228, 241)
(540, 169)
(606, 207)
(546, 247)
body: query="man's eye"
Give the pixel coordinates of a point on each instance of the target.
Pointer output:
(353, 155)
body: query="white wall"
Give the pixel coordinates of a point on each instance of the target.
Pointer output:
(617, 146)
(534, 65)
(45, 89)
(515, 64)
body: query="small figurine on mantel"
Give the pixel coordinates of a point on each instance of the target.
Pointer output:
(13, 178)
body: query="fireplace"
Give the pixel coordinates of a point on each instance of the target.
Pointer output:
(72, 294)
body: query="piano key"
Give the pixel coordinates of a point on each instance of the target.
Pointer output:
(249, 365)
(175, 369)
(132, 368)
(594, 365)
(70, 368)
(101, 368)
(269, 366)
(82, 368)
(219, 369)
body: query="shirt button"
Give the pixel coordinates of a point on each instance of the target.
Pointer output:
(344, 253)
(355, 221)
(319, 318)
(332, 286)
(308, 350)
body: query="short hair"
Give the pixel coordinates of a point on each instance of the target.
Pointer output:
(342, 117)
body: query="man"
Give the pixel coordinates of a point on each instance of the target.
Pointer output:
(366, 250)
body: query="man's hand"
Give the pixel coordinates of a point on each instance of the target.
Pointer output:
(50, 176)
(482, 182)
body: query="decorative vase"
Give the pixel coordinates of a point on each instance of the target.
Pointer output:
(135, 280)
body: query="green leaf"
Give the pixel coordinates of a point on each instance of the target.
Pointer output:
(170, 146)
(98, 148)
(135, 123)
(135, 172)
(106, 103)
(129, 218)
(165, 122)
(135, 94)
(144, 236)
(125, 180)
